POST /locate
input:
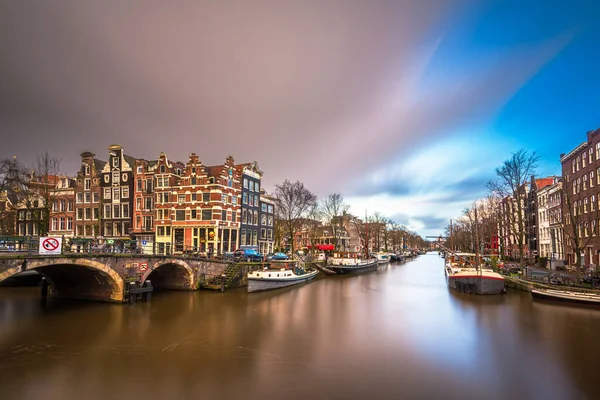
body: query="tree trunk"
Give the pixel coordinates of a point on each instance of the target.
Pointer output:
(578, 264)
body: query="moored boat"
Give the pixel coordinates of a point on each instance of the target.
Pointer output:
(564, 295)
(464, 275)
(348, 262)
(279, 274)
(382, 258)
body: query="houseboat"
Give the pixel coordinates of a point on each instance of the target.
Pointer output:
(348, 262)
(463, 273)
(279, 274)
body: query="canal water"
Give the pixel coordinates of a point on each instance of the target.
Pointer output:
(398, 332)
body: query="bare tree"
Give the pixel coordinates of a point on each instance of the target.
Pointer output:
(333, 208)
(12, 188)
(42, 188)
(580, 221)
(511, 180)
(293, 202)
(313, 225)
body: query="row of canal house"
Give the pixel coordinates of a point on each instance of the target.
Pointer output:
(166, 206)
(561, 213)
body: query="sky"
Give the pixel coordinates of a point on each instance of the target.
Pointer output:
(403, 107)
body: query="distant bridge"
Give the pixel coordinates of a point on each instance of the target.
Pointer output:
(104, 276)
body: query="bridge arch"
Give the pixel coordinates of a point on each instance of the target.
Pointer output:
(170, 274)
(75, 278)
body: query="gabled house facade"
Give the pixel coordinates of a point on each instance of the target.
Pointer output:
(117, 194)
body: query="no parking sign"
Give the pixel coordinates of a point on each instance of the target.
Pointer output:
(50, 245)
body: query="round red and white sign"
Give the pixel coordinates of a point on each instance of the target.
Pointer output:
(50, 244)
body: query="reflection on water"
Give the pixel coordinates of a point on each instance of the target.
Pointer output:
(394, 333)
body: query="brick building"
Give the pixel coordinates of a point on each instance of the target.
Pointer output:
(251, 184)
(581, 180)
(117, 194)
(88, 191)
(143, 200)
(267, 224)
(555, 222)
(166, 176)
(62, 211)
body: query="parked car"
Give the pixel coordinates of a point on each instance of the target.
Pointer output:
(279, 256)
(249, 255)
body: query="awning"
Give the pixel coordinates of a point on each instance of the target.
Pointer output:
(325, 247)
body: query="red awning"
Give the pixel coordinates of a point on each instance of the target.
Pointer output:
(324, 247)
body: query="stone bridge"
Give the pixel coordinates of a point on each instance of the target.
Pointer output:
(104, 276)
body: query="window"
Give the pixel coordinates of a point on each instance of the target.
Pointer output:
(592, 179)
(161, 231)
(233, 213)
(578, 162)
(270, 221)
(257, 187)
(206, 215)
(115, 161)
(263, 207)
(193, 180)
(116, 193)
(125, 192)
(139, 169)
(148, 205)
(96, 197)
(234, 200)
(162, 169)
(593, 203)
(593, 227)
(168, 231)
(180, 215)
(255, 217)
(224, 198)
(69, 224)
(583, 159)
(96, 213)
(244, 216)
(115, 177)
(88, 213)
(585, 182)
(585, 205)
(251, 186)
(107, 192)
(245, 198)
(139, 185)
(79, 198)
(194, 197)
(243, 237)
(54, 224)
(79, 213)
(138, 203)
(270, 234)
(246, 183)
(263, 219)
(147, 223)
(574, 187)
(159, 181)
(270, 209)
(107, 213)
(181, 198)
(590, 155)
(573, 166)
(106, 178)
(87, 169)
(86, 183)
(224, 215)
(88, 197)
(125, 211)
(206, 197)
(263, 233)
(193, 215)
(116, 211)
(149, 187)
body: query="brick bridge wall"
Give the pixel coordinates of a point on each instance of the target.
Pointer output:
(104, 277)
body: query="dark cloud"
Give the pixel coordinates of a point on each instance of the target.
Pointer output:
(319, 91)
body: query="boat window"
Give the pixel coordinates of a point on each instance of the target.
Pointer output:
(269, 275)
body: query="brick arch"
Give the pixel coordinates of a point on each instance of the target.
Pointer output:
(114, 278)
(172, 261)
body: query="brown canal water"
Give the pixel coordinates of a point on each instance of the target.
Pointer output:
(398, 332)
